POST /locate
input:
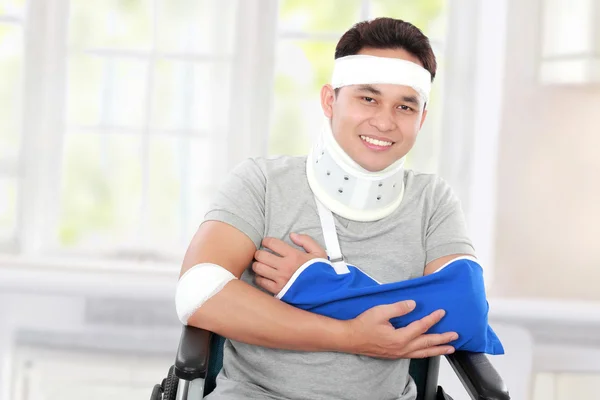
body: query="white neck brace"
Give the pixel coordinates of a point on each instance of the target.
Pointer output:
(346, 188)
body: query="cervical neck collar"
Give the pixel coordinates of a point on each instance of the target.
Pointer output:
(346, 188)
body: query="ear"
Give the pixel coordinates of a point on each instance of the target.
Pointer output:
(423, 119)
(327, 99)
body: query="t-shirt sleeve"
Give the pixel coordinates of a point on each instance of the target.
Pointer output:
(240, 201)
(446, 231)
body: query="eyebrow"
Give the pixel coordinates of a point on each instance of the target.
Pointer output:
(411, 99)
(407, 98)
(370, 89)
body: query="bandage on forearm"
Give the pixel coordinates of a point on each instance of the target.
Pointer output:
(197, 285)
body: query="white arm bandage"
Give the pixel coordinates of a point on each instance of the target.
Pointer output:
(198, 284)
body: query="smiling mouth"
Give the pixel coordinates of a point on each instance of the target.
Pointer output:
(376, 142)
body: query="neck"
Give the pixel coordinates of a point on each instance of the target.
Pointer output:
(348, 189)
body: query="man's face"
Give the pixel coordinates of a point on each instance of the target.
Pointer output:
(375, 125)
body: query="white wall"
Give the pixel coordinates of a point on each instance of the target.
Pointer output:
(548, 189)
(127, 316)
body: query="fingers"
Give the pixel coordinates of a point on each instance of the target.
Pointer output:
(267, 258)
(389, 311)
(278, 246)
(419, 327)
(424, 342)
(307, 243)
(267, 284)
(431, 352)
(265, 271)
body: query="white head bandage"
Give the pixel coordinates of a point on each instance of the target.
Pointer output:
(349, 190)
(365, 69)
(197, 285)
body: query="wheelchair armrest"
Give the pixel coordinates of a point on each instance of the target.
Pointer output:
(478, 376)
(193, 353)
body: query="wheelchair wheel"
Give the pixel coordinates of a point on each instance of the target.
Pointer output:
(169, 385)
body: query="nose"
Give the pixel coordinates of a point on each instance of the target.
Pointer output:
(383, 120)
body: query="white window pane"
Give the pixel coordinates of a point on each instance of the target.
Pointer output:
(107, 91)
(85, 89)
(101, 190)
(167, 160)
(191, 96)
(567, 27)
(111, 23)
(11, 64)
(302, 68)
(196, 26)
(318, 16)
(8, 207)
(207, 169)
(429, 16)
(183, 171)
(12, 7)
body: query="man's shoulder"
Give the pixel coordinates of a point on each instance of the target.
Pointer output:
(268, 165)
(274, 163)
(419, 181)
(274, 167)
(429, 185)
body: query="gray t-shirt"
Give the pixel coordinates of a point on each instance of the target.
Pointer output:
(271, 198)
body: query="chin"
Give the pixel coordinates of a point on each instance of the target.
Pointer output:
(374, 166)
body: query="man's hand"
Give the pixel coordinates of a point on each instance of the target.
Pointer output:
(273, 271)
(372, 334)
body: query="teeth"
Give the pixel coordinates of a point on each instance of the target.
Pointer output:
(375, 141)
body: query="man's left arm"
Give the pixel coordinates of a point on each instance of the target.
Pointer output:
(438, 263)
(445, 230)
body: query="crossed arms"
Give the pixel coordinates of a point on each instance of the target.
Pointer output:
(243, 313)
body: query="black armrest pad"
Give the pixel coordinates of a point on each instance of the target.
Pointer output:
(192, 355)
(478, 376)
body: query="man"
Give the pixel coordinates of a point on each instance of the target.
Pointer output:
(394, 223)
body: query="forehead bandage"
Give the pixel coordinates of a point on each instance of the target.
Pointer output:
(197, 285)
(365, 70)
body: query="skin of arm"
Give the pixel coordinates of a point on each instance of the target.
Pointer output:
(243, 313)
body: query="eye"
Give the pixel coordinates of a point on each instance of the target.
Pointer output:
(368, 99)
(405, 108)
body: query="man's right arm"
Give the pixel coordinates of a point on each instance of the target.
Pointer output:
(244, 313)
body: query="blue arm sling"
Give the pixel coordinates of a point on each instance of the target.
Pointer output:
(458, 288)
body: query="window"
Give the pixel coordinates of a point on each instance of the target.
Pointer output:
(570, 42)
(121, 117)
(148, 85)
(116, 131)
(307, 35)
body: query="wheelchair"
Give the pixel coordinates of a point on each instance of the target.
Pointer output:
(200, 358)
